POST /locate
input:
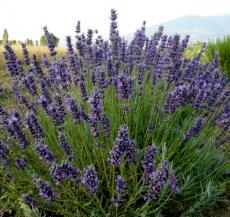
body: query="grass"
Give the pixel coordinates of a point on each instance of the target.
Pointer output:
(38, 50)
(222, 47)
(7, 100)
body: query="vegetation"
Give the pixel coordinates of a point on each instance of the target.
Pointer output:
(221, 48)
(114, 128)
(43, 41)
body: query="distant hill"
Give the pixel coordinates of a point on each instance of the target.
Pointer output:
(198, 27)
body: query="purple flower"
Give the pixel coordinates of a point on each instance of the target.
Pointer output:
(72, 107)
(44, 89)
(30, 201)
(148, 163)
(37, 68)
(119, 150)
(106, 125)
(44, 153)
(174, 182)
(90, 179)
(150, 128)
(65, 145)
(45, 60)
(20, 163)
(131, 151)
(45, 190)
(3, 149)
(120, 185)
(25, 54)
(34, 126)
(65, 170)
(44, 103)
(157, 181)
(14, 126)
(94, 126)
(69, 45)
(11, 61)
(95, 101)
(30, 85)
(124, 86)
(78, 27)
(20, 98)
(195, 129)
(50, 41)
(83, 90)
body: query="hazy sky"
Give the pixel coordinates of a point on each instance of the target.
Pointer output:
(25, 18)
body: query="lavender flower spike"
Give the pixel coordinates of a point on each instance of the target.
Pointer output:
(90, 179)
(30, 201)
(45, 190)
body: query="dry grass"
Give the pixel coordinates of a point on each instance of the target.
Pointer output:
(38, 50)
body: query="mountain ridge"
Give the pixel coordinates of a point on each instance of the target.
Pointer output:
(200, 28)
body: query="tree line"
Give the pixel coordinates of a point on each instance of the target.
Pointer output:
(5, 40)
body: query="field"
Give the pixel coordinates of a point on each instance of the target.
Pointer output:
(112, 128)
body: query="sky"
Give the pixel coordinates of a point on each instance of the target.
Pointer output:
(25, 18)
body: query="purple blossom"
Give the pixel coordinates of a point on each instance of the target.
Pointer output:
(131, 151)
(3, 149)
(65, 145)
(63, 171)
(50, 41)
(95, 101)
(157, 180)
(44, 89)
(195, 129)
(45, 60)
(78, 27)
(37, 68)
(69, 45)
(44, 153)
(120, 185)
(174, 182)
(90, 179)
(20, 163)
(119, 150)
(124, 86)
(30, 201)
(25, 54)
(14, 126)
(106, 125)
(148, 163)
(11, 61)
(20, 98)
(72, 107)
(30, 85)
(34, 126)
(45, 190)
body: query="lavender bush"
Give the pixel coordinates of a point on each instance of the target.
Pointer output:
(114, 128)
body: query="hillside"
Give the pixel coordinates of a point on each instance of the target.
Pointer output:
(198, 27)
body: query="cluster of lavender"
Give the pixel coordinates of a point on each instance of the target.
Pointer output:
(12, 123)
(4, 161)
(156, 178)
(44, 153)
(61, 85)
(65, 170)
(45, 190)
(96, 115)
(123, 147)
(194, 130)
(30, 201)
(90, 179)
(120, 185)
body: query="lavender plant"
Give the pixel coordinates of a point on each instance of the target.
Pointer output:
(115, 128)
